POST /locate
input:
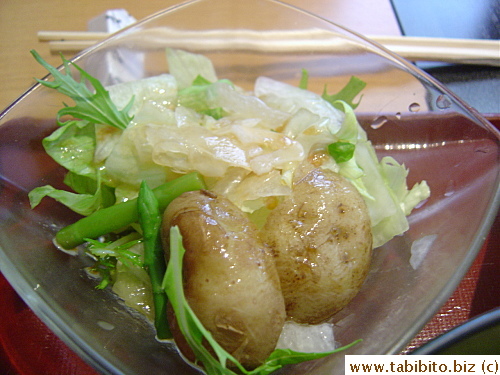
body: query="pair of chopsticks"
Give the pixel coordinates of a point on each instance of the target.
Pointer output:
(464, 51)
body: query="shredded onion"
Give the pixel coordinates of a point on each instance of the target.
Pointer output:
(307, 338)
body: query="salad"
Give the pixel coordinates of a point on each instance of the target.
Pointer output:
(146, 158)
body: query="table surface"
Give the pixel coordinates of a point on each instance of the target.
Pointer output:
(19, 23)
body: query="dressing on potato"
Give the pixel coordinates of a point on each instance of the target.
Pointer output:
(230, 279)
(322, 242)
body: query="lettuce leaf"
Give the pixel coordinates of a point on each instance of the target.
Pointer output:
(290, 99)
(396, 174)
(386, 194)
(85, 185)
(347, 94)
(72, 146)
(83, 204)
(304, 79)
(186, 67)
(196, 97)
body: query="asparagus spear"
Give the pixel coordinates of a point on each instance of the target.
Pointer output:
(154, 260)
(119, 216)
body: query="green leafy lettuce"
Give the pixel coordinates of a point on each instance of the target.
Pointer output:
(73, 144)
(196, 97)
(347, 94)
(84, 203)
(382, 183)
(186, 67)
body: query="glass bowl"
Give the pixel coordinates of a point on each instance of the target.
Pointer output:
(405, 112)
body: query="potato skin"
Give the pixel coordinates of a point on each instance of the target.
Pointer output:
(322, 242)
(230, 279)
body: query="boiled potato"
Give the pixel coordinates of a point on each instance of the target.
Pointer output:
(230, 280)
(322, 241)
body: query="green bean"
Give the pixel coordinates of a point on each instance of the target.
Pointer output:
(121, 215)
(154, 260)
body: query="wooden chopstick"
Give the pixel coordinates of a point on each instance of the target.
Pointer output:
(465, 51)
(89, 36)
(472, 51)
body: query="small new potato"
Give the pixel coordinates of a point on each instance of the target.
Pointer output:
(230, 279)
(322, 242)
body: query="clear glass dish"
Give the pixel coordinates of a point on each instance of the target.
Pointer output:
(405, 112)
